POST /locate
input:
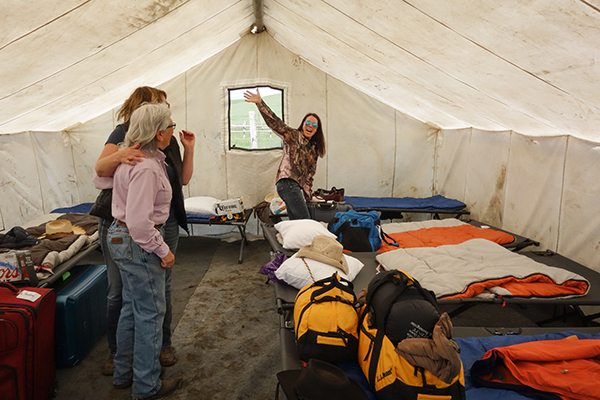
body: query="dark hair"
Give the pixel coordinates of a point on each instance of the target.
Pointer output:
(143, 94)
(318, 139)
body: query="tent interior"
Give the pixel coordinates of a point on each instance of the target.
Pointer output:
(492, 103)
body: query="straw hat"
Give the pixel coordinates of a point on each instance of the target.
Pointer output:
(320, 380)
(326, 250)
(60, 228)
(270, 197)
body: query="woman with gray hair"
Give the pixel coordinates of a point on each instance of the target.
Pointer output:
(140, 205)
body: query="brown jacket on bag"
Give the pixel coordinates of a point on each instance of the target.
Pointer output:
(438, 355)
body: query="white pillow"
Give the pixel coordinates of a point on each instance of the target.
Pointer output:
(201, 205)
(300, 232)
(294, 272)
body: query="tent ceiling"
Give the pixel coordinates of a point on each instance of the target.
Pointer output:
(525, 66)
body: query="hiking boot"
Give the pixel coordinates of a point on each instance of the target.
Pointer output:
(123, 385)
(167, 357)
(109, 366)
(167, 388)
(127, 384)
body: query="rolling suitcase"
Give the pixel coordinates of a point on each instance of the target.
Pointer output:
(27, 368)
(325, 211)
(80, 315)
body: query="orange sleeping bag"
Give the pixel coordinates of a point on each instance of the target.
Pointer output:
(434, 237)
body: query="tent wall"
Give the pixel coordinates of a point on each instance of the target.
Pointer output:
(537, 186)
(356, 127)
(545, 188)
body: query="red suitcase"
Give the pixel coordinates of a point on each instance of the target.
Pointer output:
(27, 365)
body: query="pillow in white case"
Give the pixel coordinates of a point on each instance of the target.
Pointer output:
(201, 205)
(300, 232)
(293, 271)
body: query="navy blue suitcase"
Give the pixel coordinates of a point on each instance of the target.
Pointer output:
(80, 315)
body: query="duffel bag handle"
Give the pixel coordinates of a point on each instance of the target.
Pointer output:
(12, 288)
(330, 283)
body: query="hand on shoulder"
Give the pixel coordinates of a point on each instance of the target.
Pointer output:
(131, 155)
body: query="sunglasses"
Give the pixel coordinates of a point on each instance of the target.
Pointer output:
(314, 124)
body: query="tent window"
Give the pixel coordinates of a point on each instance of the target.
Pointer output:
(247, 128)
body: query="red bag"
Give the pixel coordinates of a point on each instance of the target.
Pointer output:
(328, 195)
(27, 366)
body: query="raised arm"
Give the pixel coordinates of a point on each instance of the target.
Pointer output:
(271, 119)
(188, 139)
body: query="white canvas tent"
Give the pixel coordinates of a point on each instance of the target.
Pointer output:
(492, 103)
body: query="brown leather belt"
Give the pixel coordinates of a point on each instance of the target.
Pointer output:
(125, 225)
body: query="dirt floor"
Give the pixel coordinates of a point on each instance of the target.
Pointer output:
(225, 329)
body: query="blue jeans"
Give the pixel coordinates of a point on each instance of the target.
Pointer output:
(139, 332)
(171, 237)
(115, 286)
(292, 194)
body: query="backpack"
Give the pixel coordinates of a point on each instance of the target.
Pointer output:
(397, 308)
(326, 321)
(359, 231)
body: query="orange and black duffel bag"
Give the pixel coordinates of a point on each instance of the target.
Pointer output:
(405, 346)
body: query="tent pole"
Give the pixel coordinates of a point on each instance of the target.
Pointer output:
(259, 8)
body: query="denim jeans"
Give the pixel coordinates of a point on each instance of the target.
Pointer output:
(292, 194)
(172, 239)
(139, 333)
(115, 286)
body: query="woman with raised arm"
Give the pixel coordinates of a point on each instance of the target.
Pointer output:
(301, 148)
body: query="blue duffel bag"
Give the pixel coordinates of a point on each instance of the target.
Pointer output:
(358, 231)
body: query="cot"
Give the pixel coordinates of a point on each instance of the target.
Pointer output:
(563, 305)
(473, 342)
(53, 259)
(518, 243)
(195, 219)
(394, 207)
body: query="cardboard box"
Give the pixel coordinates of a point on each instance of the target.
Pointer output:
(10, 269)
(27, 266)
(230, 209)
(17, 265)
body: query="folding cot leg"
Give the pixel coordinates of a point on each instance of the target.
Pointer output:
(243, 234)
(576, 312)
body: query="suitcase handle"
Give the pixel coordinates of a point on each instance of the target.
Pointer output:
(9, 286)
(325, 206)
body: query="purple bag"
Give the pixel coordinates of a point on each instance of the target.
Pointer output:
(269, 268)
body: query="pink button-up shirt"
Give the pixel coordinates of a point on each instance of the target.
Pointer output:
(142, 199)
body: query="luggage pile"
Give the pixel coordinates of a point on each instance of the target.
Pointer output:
(393, 330)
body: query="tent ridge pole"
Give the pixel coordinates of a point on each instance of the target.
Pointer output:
(259, 12)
